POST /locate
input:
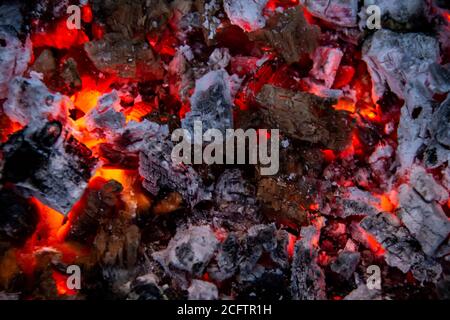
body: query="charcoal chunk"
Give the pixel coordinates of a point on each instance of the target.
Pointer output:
(308, 278)
(305, 117)
(14, 56)
(188, 253)
(289, 34)
(131, 59)
(402, 250)
(159, 171)
(49, 164)
(427, 222)
(211, 103)
(346, 263)
(343, 13)
(227, 259)
(396, 59)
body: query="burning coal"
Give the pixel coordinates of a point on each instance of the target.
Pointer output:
(339, 189)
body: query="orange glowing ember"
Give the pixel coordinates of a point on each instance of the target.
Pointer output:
(345, 105)
(61, 284)
(60, 37)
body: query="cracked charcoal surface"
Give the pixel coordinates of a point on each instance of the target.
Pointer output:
(158, 171)
(308, 279)
(402, 250)
(60, 169)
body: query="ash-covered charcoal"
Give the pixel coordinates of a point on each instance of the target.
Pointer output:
(260, 239)
(211, 103)
(364, 293)
(49, 164)
(280, 201)
(289, 34)
(14, 56)
(326, 63)
(146, 288)
(396, 59)
(306, 117)
(159, 171)
(126, 58)
(425, 184)
(226, 262)
(18, 217)
(202, 290)
(188, 253)
(355, 202)
(440, 125)
(439, 78)
(235, 200)
(106, 119)
(402, 250)
(247, 14)
(307, 277)
(210, 15)
(346, 263)
(342, 13)
(398, 15)
(427, 222)
(30, 102)
(100, 204)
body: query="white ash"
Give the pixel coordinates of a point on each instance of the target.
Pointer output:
(382, 151)
(219, 58)
(326, 63)
(247, 14)
(425, 184)
(395, 59)
(202, 290)
(188, 253)
(427, 222)
(30, 101)
(402, 250)
(343, 13)
(14, 57)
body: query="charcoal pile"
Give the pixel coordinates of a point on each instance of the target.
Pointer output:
(355, 119)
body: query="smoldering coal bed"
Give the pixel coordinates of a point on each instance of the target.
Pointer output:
(92, 205)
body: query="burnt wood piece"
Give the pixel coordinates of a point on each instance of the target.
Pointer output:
(49, 164)
(289, 34)
(100, 203)
(126, 58)
(305, 117)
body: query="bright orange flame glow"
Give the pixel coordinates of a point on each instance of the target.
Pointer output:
(345, 105)
(60, 37)
(86, 100)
